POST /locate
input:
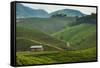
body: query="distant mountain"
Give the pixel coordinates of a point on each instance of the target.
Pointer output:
(68, 12)
(24, 12)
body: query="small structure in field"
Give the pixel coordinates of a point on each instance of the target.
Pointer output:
(36, 48)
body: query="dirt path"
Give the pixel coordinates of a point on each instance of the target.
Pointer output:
(41, 43)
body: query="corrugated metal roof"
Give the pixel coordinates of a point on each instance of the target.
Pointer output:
(36, 46)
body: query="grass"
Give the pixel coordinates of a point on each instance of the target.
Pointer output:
(82, 40)
(48, 25)
(80, 36)
(28, 58)
(27, 36)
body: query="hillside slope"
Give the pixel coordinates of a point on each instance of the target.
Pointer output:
(49, 25)
(80, 36)
(27, 37)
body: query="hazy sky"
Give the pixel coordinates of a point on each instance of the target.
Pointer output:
(52, 8)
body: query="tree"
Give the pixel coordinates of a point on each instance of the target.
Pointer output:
(59, 15)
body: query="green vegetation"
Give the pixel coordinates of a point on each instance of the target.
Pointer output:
(48, 25)
(27, 37)
(90, 19)
(28, 58)
(80, 36)
(61, 41)
(24, 44)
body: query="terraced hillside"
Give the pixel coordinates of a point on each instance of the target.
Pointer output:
(48, 25)
(75, 43)
(27, 37)
(80, 36)
(31, 58)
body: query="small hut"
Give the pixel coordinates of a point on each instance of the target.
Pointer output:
(36, 48)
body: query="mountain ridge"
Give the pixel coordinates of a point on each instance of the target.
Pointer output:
(69, 12)
(25, 12)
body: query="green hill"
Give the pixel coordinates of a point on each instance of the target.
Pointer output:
(75, 43)
(25, 44)
(48, 25)
(27, 37)
(89, 19)
(79, 36)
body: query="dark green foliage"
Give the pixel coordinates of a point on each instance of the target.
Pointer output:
(85, 19)
(59, 15)
(68, 12)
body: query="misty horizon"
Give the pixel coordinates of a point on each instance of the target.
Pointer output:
(53, 8)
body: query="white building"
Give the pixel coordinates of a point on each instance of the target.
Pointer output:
(36, 48)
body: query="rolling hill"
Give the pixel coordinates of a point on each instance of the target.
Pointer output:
(48, 25)
(27, 37)
(80, 36)
(66, 35)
